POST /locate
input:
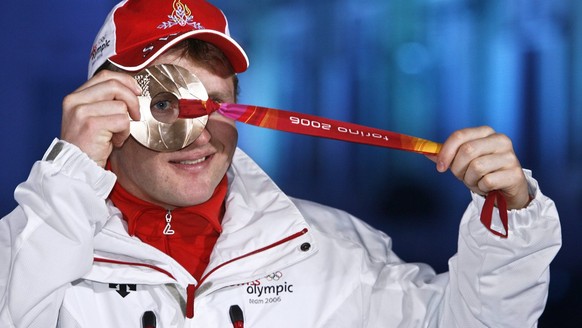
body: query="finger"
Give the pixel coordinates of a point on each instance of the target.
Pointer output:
(512, 184)
(453, 143)
(105, 75)
(120, 130)
(474, 154)
(111, 89)
(75, 118)
(478, 169)
(432, 157)
(101, 108)
(99, 134)
(500, 180)
(105, 130)
(85, 122)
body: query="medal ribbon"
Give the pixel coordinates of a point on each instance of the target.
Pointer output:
(311, 125)
(316, 126)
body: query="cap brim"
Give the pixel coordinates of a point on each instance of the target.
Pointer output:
(132, 59)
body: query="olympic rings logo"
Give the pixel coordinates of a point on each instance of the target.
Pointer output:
(274, 276)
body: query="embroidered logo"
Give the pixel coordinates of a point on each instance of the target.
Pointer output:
(274, 276)
(99, 47)
(181, 15)
(273, 291)
(123, 289)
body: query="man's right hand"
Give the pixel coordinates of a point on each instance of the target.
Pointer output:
(96, 116)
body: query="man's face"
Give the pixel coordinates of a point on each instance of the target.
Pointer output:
(188, 176)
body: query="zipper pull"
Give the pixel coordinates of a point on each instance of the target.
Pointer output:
(236, 316)
(168, 229)
(148, 320)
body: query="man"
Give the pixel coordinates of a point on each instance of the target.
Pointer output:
(110, 233)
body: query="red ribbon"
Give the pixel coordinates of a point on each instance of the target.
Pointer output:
(326, 128)
(311, 125)
(487, 212)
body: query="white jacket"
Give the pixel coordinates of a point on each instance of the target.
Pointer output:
(67, 261)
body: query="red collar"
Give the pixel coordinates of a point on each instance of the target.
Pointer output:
(196, 228)
(136, 211)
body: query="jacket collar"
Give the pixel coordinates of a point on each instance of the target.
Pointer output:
(258, 215)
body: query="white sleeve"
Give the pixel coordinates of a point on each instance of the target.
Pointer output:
(47, 241)
(496, 282)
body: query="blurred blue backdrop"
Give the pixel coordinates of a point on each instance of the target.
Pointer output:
(420, 67)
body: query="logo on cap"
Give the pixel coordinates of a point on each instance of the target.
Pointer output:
(99, 47)
(181, 15)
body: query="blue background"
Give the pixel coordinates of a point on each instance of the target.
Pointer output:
(420, 67)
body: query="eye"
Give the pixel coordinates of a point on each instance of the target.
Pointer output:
(165, 107)
(162, 105)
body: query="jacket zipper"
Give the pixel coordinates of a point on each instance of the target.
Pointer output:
(192, 289)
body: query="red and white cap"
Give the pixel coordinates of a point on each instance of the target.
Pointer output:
(137, 31)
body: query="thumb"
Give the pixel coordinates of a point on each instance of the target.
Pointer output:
(431, 157)
(440, 166)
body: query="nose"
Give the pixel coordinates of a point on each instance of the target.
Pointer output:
(203, 138)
